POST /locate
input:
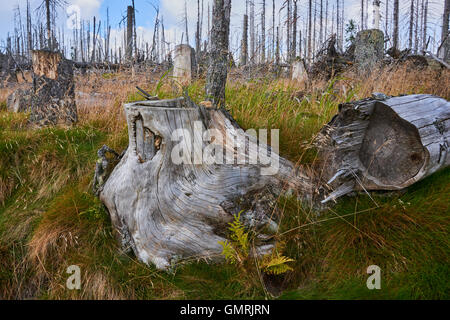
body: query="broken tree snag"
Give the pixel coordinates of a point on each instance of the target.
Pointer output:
(53, 100)
(178, 185)
(184, 65)
(299, 72)
(384, 143)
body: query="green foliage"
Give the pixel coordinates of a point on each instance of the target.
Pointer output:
(238, 233)
(350, 31)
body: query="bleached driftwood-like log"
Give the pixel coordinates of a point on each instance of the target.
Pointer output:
(172, 198)
(384, 143)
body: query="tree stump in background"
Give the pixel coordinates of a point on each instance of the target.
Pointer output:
(384, 143)
(171, 198)
(299, 70)
(369, 49)
(53, 99)
(184, 65)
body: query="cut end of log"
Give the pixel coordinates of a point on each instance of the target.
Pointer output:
(384, 144)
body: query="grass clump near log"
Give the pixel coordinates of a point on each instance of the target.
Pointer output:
(50, 220)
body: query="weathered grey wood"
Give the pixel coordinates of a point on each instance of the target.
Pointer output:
(384, 143)
(166, 211)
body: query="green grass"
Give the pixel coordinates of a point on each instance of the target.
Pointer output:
(49, 219)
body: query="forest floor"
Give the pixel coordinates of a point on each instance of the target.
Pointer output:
(49, 218)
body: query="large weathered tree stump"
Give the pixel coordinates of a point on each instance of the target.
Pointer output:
(384, 143)
(178, 185)
(53, 100)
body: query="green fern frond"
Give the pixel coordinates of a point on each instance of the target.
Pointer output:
(228, 251)
(277, 265)
(238, 233)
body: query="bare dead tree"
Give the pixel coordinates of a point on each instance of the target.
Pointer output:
(386, 21)
(411, 24)
(376, 13)
(134, 30)
(252, 31)
(197, 32)
(309, 30)
(326, 20)
(294, 30)
(362, 14)
(321, 22)
(396, 22)
(273, 27)
(263, 31)
(218, 62)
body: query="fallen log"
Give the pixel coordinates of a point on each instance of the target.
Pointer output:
(384, 143)
(187, 171)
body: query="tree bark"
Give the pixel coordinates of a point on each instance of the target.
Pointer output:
(396, 17)
(53, 96)
(244, 45)
(168, 211)
(445, 20)
(217, 71)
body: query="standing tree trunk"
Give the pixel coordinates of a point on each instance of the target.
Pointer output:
(386, 26)
(411, 24)
(425, 21)
(321, 23)
(384, 143)
(445, 21)
(217, 71)
(129, 43)
(197, 32)
(244, 45)
(396, 21)
(376, 14)
(186, 23)
(294, 31)
(309, 30)
(273, 28)
(252, 32)
(49, 29)
(263, 32)
(288, 31)
(362, 14)
(128, 37)
(169, 208)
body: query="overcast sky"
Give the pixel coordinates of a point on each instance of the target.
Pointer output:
(172, 12)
